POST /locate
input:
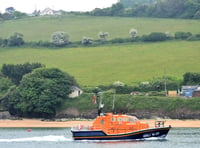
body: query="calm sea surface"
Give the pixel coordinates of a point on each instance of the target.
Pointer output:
(61, 138)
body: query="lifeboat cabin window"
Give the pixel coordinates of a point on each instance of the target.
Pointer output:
(113, 119)
(102, 122)
(120, 119)
(132, 119)
(125, 119)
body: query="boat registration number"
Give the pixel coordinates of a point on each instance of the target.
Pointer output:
(151, 134)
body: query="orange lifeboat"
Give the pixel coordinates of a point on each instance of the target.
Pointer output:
(119, 127)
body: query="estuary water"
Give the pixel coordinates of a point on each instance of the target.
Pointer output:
(61, 138)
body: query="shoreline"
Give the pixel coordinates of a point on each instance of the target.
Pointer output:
(36, 123)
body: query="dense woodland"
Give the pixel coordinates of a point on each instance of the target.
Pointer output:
(161, 8)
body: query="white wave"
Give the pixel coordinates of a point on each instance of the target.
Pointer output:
(50, 138)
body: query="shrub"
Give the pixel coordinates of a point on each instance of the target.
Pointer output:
(87, 40)
(15, 40)
(103, 36)
(154, 36)
(182, 35)
(118, 40)
(60, 38)
(133, 33)
(195, 37)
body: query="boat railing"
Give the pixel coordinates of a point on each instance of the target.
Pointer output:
(159, 123)
(80, 127)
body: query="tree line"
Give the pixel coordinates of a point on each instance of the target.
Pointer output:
(189, 9)
(62, 39)
(11, 13)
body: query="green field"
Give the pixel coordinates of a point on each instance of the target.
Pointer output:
(41, 28)
(128, 63)
(93, 66)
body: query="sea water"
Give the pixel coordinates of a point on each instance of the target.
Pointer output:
(62, 138)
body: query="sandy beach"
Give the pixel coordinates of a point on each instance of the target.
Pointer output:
(27, 123)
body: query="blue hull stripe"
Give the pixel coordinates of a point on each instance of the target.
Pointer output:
(100, 135)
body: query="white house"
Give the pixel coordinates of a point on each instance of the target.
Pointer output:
(75, 92)
(47, 11)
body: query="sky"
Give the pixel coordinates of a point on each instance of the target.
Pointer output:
(28, 6)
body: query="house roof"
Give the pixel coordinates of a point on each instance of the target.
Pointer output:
(190, 87)
(47, 11)
(75, 88)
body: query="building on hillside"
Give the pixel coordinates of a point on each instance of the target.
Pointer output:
(196, 93)
(172, 94)
(47, 11)
(187, 91)
(35, 13)
(75, 92)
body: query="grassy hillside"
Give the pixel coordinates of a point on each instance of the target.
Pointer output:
(128, 63)
(41, 28)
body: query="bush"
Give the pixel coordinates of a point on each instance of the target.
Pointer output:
(87, 41)
(15, 40)
(16, 72)
(121, 40)
(155, 36)
(191, 78)
(195, 37)
(157, 93)
(103, 36)
(40, 93)
(182, 35)
(133, 33)
(60, 38)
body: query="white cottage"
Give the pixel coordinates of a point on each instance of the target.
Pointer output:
(47, 11)
(75, 92)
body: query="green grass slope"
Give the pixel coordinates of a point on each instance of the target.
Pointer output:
(129, 63)
(41, 28)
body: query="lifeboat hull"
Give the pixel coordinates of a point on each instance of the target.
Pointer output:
(135, 135)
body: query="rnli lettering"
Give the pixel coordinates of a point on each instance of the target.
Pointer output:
(151, 134)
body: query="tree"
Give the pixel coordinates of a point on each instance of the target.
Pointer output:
(60, 38)
(117, 9)
(152, 8)
(133, 33)
(191, 78)
(18, 14)
(103, 36)
(10, 10)
(40, 93)
(5, 84)
(16, 39)
(87, 40)
(16, 72)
